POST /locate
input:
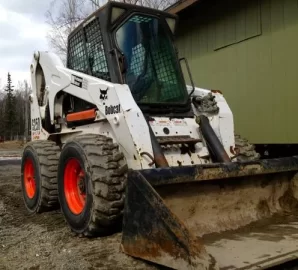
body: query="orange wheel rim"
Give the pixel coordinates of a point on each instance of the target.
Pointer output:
(29, 178)
(74, 186)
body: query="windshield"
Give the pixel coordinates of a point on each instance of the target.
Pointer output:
(151, 64)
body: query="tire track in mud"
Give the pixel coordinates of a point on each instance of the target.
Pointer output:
(44, 241)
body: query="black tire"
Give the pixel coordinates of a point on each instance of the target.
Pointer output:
(245, 150)
(104, 169)
(44, 156)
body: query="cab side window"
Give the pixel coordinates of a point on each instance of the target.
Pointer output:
(95, 51)
(77, 55)
(86, 52)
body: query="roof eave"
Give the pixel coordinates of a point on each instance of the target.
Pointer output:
(180, 5)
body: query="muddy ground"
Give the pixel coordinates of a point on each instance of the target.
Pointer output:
(45, 242)
(11, 149)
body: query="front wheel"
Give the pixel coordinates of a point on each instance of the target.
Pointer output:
(39, 176)
(91, 184)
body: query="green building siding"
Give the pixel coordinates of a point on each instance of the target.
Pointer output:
(249, 51)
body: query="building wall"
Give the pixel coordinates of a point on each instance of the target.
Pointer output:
(249, 50)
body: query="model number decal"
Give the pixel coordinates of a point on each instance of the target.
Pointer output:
(35, 125)
(79, 81)
(112, 109)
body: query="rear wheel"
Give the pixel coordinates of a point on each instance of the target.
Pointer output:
(39, 176)
(91, 183)
(245, 151)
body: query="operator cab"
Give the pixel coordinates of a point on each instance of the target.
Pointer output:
(132, 45)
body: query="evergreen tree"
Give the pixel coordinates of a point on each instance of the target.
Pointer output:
(2, 125)
(10, 109)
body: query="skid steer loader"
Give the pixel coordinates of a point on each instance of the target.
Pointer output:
(120, 142)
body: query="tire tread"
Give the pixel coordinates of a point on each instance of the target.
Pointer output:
(48, 156)
(246, 151)
(108, 187)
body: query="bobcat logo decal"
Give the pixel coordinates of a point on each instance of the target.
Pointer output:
(104, 94)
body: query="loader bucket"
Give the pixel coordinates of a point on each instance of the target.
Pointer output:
(240, 215)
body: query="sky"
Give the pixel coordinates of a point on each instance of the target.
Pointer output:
(22, 31)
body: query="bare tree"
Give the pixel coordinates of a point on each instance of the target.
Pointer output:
(63, 17)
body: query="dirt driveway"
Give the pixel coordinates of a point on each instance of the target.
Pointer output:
(11, 149)
(45, 242)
